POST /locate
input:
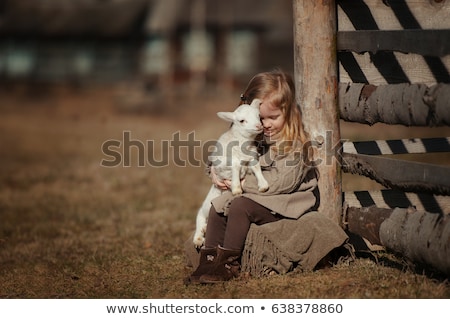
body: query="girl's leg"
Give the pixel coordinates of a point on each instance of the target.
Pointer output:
(215, 229)
(243, 212)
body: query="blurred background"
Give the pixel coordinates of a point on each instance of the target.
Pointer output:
(159, 43)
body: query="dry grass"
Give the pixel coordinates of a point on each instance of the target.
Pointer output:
(73, 229)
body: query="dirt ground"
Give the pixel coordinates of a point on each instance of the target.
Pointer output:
(75, 225)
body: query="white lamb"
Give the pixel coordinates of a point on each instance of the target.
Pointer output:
(234, 155)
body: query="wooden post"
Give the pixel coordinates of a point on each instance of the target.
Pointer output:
(316, 84)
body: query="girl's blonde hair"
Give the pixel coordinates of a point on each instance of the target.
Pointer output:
(278, 88)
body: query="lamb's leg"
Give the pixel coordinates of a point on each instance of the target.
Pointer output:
(236, 188)
(263, 185)
(202, 216)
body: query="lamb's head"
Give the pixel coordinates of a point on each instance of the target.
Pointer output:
(245, 119)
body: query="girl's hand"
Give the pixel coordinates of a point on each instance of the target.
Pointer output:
(220, 184)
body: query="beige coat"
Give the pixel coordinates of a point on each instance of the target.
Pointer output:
(293, 186)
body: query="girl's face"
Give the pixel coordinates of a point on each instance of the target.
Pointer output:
(272, 119)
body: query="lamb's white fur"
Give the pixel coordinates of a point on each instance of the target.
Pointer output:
(234, 154)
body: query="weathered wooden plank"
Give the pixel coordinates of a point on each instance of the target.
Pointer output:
(406, 104)
(422, 42)
(366, 221)
(393, 14)
(393, 67)
(400, 146)
(376, 70)
(390, 198)
(399, 174)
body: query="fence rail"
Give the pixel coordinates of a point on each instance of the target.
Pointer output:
(423, 42)
(406, 104)
(400, 174)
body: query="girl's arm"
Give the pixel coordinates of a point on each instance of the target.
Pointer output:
(284, 176)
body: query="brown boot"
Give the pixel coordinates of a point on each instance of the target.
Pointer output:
(226, 266)
(207, 257)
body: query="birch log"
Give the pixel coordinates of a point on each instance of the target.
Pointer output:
(406, 104)
(422, 237)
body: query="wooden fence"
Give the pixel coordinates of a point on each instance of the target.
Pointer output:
(393, 65)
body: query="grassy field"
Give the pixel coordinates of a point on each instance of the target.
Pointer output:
(70, 228)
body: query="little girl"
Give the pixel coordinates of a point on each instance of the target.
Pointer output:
(293, 184)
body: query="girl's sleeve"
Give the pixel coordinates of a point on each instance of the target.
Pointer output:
(284, 176)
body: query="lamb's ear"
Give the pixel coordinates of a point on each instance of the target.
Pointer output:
(256, 103)
(227, 116)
